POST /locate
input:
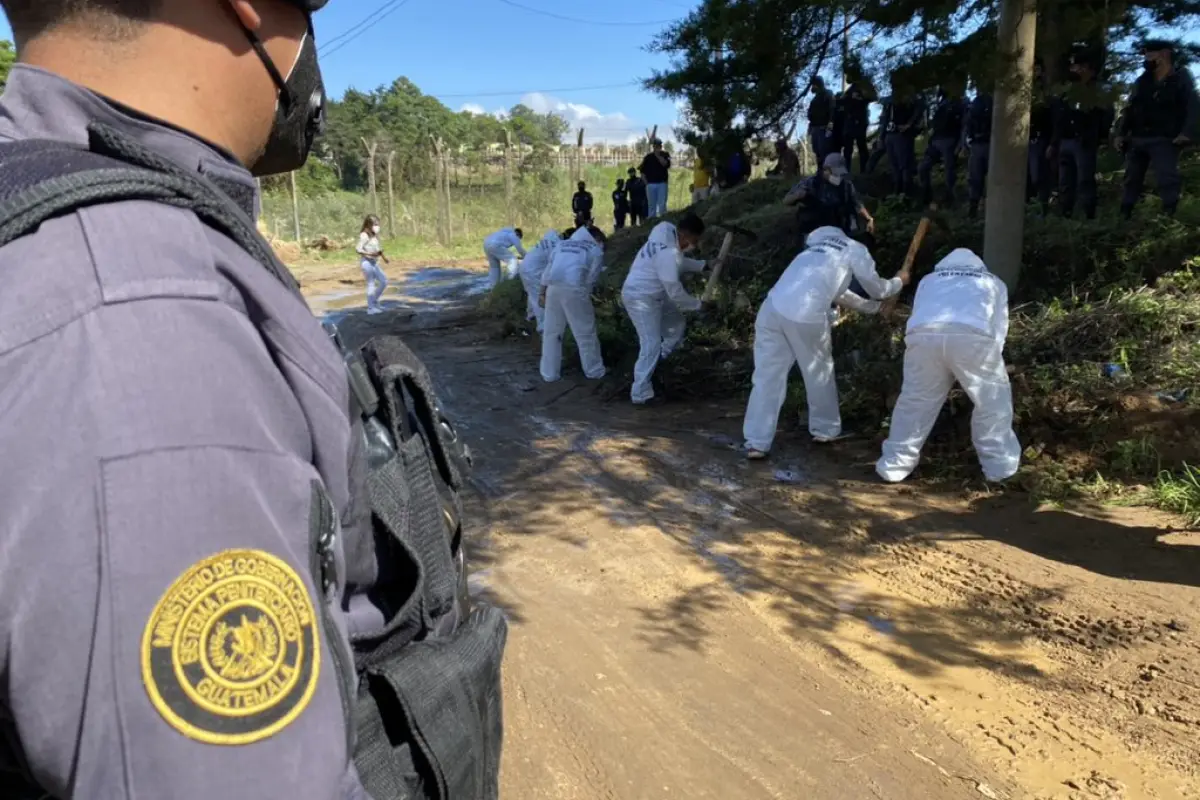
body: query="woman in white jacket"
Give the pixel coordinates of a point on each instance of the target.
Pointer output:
(370, 252)
(794, 326)
(957, 331)
(532, 266)
(655, 299)
(567, 288)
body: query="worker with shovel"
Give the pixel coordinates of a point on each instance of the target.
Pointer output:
(655, 299)
(794, 326)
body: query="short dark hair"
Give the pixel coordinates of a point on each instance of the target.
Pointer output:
(597, 234)
(691, 223)
(1158, 46)
(520, 234)
(116, 19)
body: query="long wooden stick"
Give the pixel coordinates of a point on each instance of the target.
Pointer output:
(918, 238)
(710, 289)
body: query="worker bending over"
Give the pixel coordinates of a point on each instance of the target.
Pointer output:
(655, 298)
(795, 326)
(567, 288)
(533, 266)
(498, 248)
(956, 332)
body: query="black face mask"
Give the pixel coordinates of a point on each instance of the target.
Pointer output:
(1074, 77)
(1150, 65)
(299, 112)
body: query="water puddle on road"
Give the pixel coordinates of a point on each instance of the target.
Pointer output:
(424, 290)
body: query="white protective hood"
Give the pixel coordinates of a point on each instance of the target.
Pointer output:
(823, 233)
(961, 258)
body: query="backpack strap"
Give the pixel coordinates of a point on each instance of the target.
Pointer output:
(43, 179)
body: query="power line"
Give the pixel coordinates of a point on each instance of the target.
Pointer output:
(362, 27)
(579, 21)
(537, 91)
(362, 23)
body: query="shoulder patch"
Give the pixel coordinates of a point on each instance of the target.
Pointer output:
(230, 654)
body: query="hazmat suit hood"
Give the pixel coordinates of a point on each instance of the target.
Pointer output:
(664, 233)
(961, 258)
(552, 236)
(582, 235)
(824, 233)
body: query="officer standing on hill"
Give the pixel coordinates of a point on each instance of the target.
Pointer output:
(903, 125)
(1041, 152)
(820, 120)
(620, 198)
(188, 582)
(854, 116)
(581, 205)
(977, 137)
(1082, 120)
(1159, 120)
(945, 137)
(639, 202)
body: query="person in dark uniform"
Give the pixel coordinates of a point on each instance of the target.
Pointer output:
(582, 203)
(1082, 120)
(620, 198)
(854, 115)
(977, 138)
(639, 202)
(879, 146)
(183, 603)
(829, 198)
(1041, 169)
(820, 119)
(1159, 120)
(945, 138)
(904, 124)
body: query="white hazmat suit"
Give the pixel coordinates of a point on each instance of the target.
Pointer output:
(498, 248)
(956, 333)
(569, 279)
(532, 266)
(655, 300)
(794, 326)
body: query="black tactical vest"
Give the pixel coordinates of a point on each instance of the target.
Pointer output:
(423, 701)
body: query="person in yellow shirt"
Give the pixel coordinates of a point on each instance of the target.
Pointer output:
(701, 180)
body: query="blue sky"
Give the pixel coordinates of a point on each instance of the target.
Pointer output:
(487, 55)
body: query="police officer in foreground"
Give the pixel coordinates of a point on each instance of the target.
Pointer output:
(201, 594)
(1082, 120)
(977, 137)
(945, 138)
(1159, 120)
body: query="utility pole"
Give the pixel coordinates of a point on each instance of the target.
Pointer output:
(579, 157)
(1004, 224)
(295, 205)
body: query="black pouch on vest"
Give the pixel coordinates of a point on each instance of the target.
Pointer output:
(428, 712)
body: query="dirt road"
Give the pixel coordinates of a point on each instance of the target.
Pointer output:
(685, 624)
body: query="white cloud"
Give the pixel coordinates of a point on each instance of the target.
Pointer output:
(615, 127)
(473, 108)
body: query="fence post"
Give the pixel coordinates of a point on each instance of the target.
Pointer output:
(446, 194)
(579, 156)
(508, 177)
(295, 204)
(372, 146)
(391, 196)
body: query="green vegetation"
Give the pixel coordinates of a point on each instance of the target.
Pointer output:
(8, 56)
(476, 211)
(1093, 294)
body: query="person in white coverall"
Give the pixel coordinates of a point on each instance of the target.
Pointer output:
(498, 248)
(956, 332)
(567, 285)
(532, 267)
(794, 326)
(655, 299)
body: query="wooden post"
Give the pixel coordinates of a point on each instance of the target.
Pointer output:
(391, 158)
(372, 147)
(1004, 224)
(446, 195)
(439, 164)
(295, 204)
(579, 156)
(508, 178)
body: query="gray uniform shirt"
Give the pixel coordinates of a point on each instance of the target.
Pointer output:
(159, 625)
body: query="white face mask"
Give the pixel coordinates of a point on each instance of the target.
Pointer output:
(836, 180)
(376, 230)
